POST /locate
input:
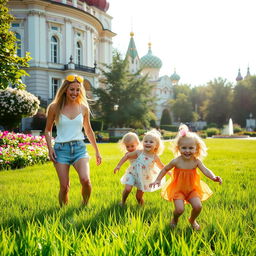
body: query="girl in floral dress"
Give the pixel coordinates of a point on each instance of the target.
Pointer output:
(145, 166)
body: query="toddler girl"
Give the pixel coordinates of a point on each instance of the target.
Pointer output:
(145, 166)
(185, 184)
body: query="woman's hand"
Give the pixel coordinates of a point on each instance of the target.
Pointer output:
(98, 158)
(52, 155)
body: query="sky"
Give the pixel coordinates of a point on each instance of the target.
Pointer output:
(201, 39)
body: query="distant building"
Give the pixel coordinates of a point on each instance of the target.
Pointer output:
(239, 76)
(163, 86)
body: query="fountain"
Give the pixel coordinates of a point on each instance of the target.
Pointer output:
(228, 129)
(228, 132)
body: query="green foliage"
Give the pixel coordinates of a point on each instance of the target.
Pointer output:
(10, 64)
(97, 125)
(31, 222)
(212, 131)
(129, 92)
(166, 118)
(182, 108)
(16, 104)
(244, 101)
(172, 128)
(218, 105)
(18, 150)
(39, 120)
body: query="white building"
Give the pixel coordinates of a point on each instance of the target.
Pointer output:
(63, 37)
(163, 86)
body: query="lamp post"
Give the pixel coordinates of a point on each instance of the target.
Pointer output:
(116, 106)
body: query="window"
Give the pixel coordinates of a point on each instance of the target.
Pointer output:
(55, 86)
(18, 42)
(15, 25)
(78, 53)
(54, 49)
(55, 28)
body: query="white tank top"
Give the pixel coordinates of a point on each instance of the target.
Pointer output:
(69, 129)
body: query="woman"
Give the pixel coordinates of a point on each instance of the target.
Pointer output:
(70, 112)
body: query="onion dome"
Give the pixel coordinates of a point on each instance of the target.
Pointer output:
(132, 51)
(149, 60)
(175, 77)
(239, 76)
(101, 4)
(248, 74)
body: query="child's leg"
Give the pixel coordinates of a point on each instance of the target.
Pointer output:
(179, 209)
(196, 209)
(139, 197)
(126, 192)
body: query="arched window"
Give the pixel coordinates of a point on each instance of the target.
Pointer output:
(78, 53)
(54, 50)
(18, 42)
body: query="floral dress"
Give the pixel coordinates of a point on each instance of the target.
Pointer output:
(142, 172)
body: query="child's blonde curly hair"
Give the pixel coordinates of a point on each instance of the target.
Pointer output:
(127, 138)
(201, 149)
(157, 136)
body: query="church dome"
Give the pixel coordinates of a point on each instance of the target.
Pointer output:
(101, 4)
(175, 77)
(149, 60)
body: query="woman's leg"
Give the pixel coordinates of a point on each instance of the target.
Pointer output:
(196, 209)
(126, 192)
(139, 196)
(63, 174)
(83, 169)
(178, 210)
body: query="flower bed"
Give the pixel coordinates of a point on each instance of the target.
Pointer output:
(18, 150)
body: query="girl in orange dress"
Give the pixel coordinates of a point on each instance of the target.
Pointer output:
(185, 184)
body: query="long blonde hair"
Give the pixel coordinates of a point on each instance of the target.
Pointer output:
(60, 98)
(201, 149)
(157, 136)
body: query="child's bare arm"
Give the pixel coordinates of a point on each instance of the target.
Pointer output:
(208, 173)
(162, 174)
(127, 156)
(159, 162)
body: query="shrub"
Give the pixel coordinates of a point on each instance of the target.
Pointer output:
(38, 121)
(212, 131)
(16, 104)
(19, 150)
(237, 128)
(171, 128)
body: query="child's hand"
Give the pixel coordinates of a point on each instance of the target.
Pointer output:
(116, 169)
(217, 179)
(156, 183)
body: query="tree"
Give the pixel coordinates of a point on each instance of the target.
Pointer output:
(244, 101)
(182, 108)
(218, 104)
(130, 92)
(10, 64)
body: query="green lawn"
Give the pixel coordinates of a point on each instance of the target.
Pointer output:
(31, 222)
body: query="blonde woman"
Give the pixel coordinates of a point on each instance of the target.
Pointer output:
(71, 113)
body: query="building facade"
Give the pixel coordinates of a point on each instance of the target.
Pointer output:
(150, 65)
(63, 37)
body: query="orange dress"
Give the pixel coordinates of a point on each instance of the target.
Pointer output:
(185, 184)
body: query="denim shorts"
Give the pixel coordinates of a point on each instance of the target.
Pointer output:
(70, 152)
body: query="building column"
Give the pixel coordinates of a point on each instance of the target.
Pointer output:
(68, 39)
(33, 36)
